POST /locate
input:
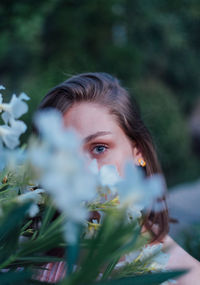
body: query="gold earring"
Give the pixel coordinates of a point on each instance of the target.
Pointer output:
(142, 162)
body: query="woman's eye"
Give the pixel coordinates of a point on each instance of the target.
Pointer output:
(99, 149)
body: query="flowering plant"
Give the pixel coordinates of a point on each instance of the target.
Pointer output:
(50, 198)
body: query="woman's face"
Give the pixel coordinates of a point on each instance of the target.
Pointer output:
(102, 138)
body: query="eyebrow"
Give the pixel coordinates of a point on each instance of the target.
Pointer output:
(94, 136)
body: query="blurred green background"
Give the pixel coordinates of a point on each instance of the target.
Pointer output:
(153, 47)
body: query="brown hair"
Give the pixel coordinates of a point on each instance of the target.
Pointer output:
(106, 90)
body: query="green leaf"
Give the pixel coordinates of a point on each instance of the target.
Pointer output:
(114, 238)
(10, 278)
(25, 227)
(3, 174)
(109, 268)
(12, 220)
(38, 259)
(7, 193)
(10, 227)
(47, 218)
(51, 238)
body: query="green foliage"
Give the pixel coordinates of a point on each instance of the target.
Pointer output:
(43, 43)
(20, 259)
(13, 224)
(190, 240)
(11, 278)
(162, 114)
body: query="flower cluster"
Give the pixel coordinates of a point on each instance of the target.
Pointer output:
(62, 170)
(10, 113)
(52, 166)
(134, 191)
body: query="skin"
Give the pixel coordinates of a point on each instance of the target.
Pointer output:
(104, 140)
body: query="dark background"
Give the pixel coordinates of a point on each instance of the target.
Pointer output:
(153, 47)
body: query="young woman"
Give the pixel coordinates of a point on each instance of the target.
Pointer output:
(112, 132)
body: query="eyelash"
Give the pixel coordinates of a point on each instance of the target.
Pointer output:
(99, 145)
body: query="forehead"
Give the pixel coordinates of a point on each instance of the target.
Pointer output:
(87, 118)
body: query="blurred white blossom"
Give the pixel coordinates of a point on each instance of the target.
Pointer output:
(109, 175)
(62, 171)
(9, 135)
(52, 130)
(33, 196)
(13, 128)
(2, 87)
(151, 255)
(15, 158)
(137, 192)
(158, 259)
(15, 108)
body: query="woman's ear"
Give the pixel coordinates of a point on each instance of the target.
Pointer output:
(137, 156)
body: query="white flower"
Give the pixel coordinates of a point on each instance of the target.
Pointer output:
(14, 158)
(9, 135)
(15, 109)
(157, 259)
(136, 190)
(134, 212)
(33, 210)
(2, 87)
(107, 178)
(62, 171)
(33, 196)
(130, 257)
(51, 127)
(152, 256)
(1, 100)
(93, 166)
(109, 175)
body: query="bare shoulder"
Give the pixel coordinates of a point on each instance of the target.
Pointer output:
(179, 258)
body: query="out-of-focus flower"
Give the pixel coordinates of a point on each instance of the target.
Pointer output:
(33, 210)
(51, 128)
(15, 108)
(9, 135)
(151, 255)
(157, 259)
(136, 192)
(14, 158)
(33, 196)
(62, 171)
(2, 87)
(13, 128)
(107, 174)
(107, 178)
